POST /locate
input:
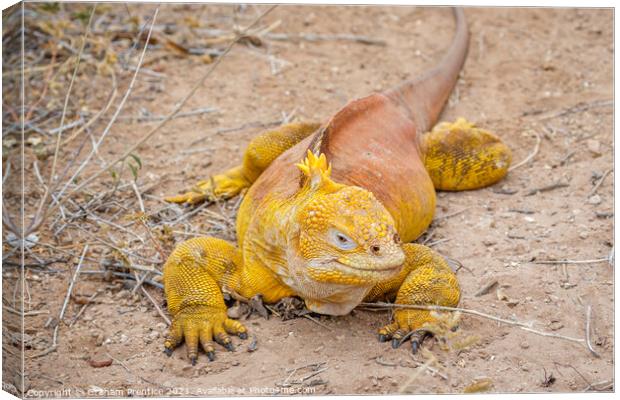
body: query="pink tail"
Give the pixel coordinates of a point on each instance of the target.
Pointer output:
(424, 97)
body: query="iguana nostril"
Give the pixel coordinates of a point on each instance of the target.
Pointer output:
(375, 249)
(396, 238)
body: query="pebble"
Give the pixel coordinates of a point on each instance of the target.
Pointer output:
(100, 362)
(595, 200)
(154, 335)
(525, 345)
(237, 311)
(594, 146)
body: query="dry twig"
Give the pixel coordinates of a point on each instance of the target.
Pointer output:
(599, 183)
(530, 156)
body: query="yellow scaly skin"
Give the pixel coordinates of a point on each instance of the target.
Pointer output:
(460, 156)
(331, 244)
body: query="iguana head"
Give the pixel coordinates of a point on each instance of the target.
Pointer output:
(346, 236)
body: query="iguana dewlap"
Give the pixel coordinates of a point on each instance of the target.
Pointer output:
(328, 208)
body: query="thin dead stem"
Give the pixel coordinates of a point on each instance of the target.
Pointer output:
(530, 156)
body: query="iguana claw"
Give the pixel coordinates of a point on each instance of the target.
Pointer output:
(398, 336)
(417, 338)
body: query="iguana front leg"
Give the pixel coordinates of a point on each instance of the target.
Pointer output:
(261, 151)
(193, 276)
(426, 279)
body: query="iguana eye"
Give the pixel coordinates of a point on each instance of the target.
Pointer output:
(341, 240)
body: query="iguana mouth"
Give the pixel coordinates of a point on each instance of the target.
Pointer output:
(329, 264)
(377, 269)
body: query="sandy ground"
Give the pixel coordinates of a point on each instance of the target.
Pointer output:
(545, 72)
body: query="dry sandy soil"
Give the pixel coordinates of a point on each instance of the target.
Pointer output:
(530, 72)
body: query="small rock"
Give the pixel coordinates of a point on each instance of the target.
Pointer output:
(525, 345)
(235, 363)
(555, 325)
(154, 335)
(594, 146)
(100, 362)
(583, 235)
(318, 349)
(595, 200)
(237, 311)
(160, 326)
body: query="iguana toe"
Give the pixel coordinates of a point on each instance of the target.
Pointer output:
(417, 338)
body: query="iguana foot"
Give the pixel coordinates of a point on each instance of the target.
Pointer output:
(202, 325)
(429, 281)
(399, 335)
(461, 156)
(218, 187)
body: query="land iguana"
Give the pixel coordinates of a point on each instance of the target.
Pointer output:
(331, 210)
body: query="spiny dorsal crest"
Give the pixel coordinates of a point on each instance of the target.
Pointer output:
(316, 170)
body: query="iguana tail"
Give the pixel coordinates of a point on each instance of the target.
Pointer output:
(424, 97)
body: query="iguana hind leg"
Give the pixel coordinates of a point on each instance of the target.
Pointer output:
(261, 151)
(426, 279)
(193, 276)
(460, 156)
